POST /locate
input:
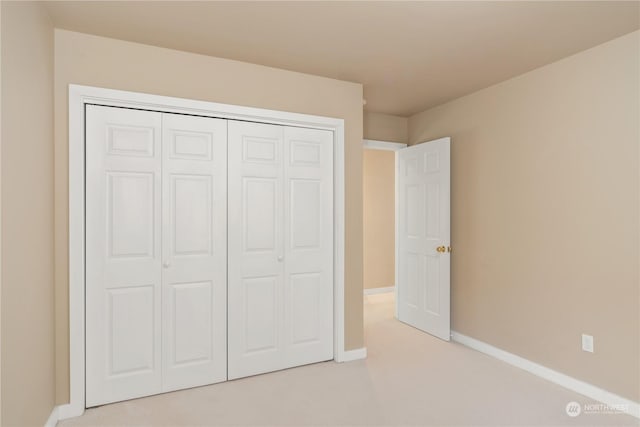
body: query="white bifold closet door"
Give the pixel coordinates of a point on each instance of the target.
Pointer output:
(280, 286)
(155, 252)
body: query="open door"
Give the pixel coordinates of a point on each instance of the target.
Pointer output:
(423, 236)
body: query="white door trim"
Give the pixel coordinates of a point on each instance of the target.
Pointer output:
(384, 290)
(373, 144)
(81, 95)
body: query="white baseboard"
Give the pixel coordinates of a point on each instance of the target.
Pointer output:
(350, 355)
(372, 291)
(69, 411)
(53, 418)
(586, 389)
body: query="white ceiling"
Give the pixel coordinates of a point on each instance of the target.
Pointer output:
(408, 55)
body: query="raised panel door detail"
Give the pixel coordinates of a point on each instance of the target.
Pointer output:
(411, 166)
(131, 214)
(191, 322)
(308, 257)
(431, 162)
(432, 293)
(130, 330)
(261, 313)
(413, 279)
(130, 141)
(194, 251)
(123, 181)
(255, 236)
(280, 247)
(191, 145)
(305, 213)
(305, 153)
(305, 306)
(259, 222)
(433, 210)
(192, 214)
(260, 150)
(413, 211)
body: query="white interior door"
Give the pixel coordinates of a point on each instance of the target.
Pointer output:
(280, 247)
(194, 240)
(123, 254)
(155, 253)
(423, 191)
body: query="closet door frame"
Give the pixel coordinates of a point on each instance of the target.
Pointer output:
(79, 97)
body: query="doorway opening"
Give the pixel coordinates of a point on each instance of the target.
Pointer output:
(379, 233)
(406, 234)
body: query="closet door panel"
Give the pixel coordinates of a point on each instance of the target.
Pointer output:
(308, 237)
(256, 310)
(280, 247)
(123, 254)
(194, 251)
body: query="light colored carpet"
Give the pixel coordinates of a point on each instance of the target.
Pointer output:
(409, 378)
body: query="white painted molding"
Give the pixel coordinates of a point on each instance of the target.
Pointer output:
(71, 410)
(373, 144)
(351, 355)
(396, 233)
(79, 96)
(53, 418)
(586, 389)
(385, 290)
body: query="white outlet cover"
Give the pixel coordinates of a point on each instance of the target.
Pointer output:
(587, 343)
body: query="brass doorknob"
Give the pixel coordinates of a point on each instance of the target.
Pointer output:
(441, 249)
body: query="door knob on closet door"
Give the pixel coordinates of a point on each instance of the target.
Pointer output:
(166, 264)
(441, 249)
(280, 258)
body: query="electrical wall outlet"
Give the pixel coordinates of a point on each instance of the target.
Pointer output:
(587, 343)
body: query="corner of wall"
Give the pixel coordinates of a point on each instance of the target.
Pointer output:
(385, 127)
(27, 336)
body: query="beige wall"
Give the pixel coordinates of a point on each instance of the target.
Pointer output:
(96, 61)
(378, 186)
(545, 208)
(28, 374)
(385, 127)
